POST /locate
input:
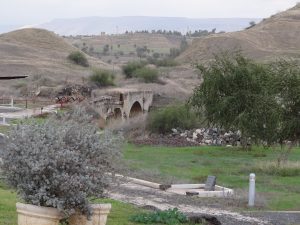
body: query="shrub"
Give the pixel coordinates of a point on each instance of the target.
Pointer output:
(175, 116)
(60, 163)
(78, 58)
(166, 63)
(148, 75)
(102, 78)
(131, 67)
(170, 216)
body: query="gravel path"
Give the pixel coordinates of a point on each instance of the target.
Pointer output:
(153, 198)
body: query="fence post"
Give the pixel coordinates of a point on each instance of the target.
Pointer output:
(251, 190)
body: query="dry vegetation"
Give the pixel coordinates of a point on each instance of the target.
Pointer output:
(278, 36)
(38, 52)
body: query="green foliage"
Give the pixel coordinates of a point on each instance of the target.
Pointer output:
(262, 101)
(61, 162)
(287, 92)
(102, 78)
(78, 58)
(174, 116)
(174, 52)
(146, 74)
(131, 67)
(166, 62)
(170, 217)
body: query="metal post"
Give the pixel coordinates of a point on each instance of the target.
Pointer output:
(251, 190)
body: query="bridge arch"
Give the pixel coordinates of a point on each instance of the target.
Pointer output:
(117, 113)
(136, 110)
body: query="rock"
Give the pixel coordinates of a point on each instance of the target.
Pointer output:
(195, 135)
(183, 134)
(208, 142)
(198, 131)
(174, 131)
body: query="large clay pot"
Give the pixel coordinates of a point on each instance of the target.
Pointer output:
(31, 214)
(99, 217)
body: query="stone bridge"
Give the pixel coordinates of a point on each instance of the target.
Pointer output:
(119, 103)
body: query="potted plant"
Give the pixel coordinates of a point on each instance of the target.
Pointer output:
(57, 165)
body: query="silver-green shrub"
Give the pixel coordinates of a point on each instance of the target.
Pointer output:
(60, 163)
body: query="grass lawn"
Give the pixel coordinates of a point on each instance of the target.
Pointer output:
(231, 166)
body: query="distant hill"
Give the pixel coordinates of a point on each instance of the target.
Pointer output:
(275, 37)
(113, 25)
(40, 53)
(4, 28)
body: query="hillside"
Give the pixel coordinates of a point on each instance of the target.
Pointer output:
(39, 53)
(117, 25)
(123, 47)
(277, 36)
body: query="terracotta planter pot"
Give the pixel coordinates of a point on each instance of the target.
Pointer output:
(31, 214)
(99, 217)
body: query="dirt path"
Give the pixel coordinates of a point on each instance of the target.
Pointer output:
(150, 197)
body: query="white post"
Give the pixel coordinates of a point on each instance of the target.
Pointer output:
(251, 190)
(11, 102)
(4, 120)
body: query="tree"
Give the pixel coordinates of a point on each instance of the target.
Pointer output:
(105, 49)
(239, 94)
(102, 78)
(251, 24)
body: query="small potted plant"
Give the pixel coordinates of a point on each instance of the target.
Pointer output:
(56, 166)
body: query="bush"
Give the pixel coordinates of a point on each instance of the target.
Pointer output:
(166, 63)
(60, 163)
(102, 78)
(148, 75)
(131, 67)
(175, 116)
(170, 216)
(78, 58)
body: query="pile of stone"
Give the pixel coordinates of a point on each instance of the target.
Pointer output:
(209, 136)
(75, 90)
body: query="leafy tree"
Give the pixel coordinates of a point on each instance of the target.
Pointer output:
(173, 116)
(78, 58)
(239, 94)
(102, 78)
(148, 75)
(251, 24)
(131, 67)
(105, 49)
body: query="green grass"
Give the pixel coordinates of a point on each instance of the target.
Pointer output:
(231, 166)
(4, 129)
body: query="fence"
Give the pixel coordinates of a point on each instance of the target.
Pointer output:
(25, 102)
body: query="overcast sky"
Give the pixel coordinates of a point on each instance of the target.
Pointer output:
(40, 11)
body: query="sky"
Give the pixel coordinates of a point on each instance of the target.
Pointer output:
(40, 11)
